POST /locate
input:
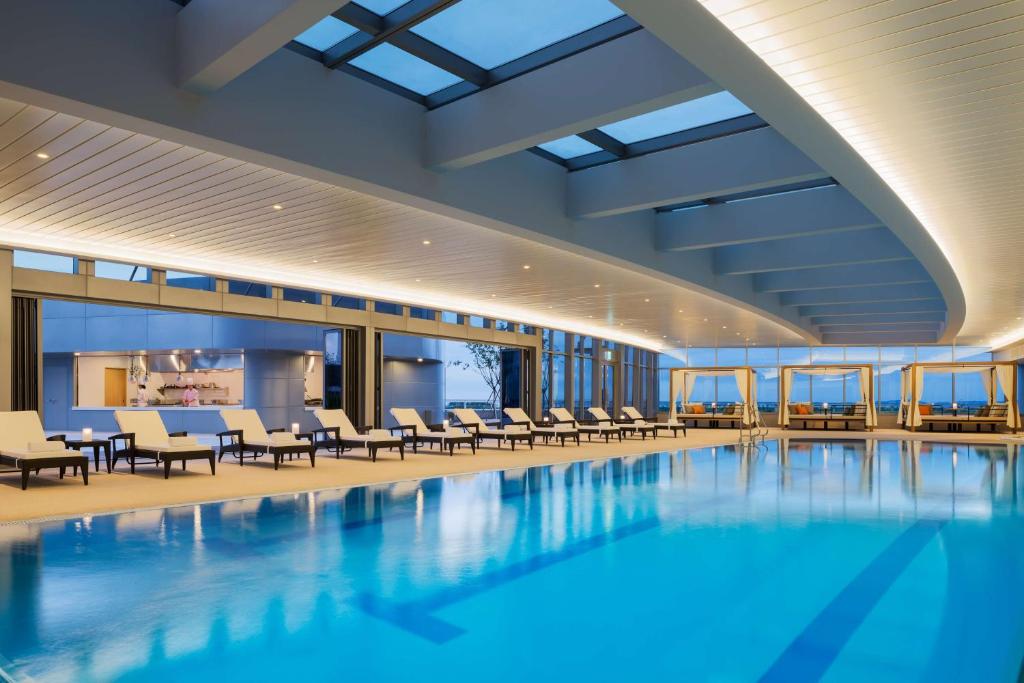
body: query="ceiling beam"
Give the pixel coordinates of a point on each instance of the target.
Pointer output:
(752, 160)
(401, 19)
(896, 273)
(855, 295)
(879, 318)
(793, 214)
(217, 40)
(563, 98)
(874, 245)
(873, 308)
(901, 337)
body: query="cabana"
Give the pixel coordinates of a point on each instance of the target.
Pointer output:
(681, 384)
(995, 376)
(863, 411)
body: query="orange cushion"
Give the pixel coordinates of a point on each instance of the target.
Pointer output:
(803, 409)
(925, 409)
(695, 409)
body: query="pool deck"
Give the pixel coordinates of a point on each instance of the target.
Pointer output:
(50, 497)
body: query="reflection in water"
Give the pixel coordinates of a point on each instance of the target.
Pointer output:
(252, 589)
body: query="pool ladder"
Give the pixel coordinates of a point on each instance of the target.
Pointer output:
(753, 434)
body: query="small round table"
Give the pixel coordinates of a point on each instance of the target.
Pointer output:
(96, 445)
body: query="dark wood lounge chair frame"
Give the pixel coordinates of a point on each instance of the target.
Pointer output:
(123, 446)
(550, 433)
(629, 427)
(26, 465)
(578, 424)
(237, 447)
(331, 439)
(410, 434)
(511, 437)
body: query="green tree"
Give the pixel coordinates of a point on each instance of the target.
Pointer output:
(487, 363)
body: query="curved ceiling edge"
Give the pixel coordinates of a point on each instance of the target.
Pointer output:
(696, 34)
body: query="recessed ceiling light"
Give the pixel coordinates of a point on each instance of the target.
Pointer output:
(172, 235)
(419, 360)
(664, 336)
(596, 286)
(426, 242)
(418, 280)
(725, 327)
(277, 207)
(679, 311)
(315, 261)
(645, 330)
(705, 319)
(42, 155)
(647, 301)
(526, 266)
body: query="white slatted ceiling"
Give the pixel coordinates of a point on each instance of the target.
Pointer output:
(931, 94)
(112, 193)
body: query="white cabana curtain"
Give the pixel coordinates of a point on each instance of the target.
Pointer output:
(866, 378)
(916, 380)
(1005, 375)
(681, 385)
(785, 389)
(901, 415)
(683, 380)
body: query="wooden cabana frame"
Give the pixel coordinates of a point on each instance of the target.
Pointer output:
(1001, 375)
(869, 417)
(746, 383)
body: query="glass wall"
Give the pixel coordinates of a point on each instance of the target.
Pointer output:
(941, 389)
(554, 355)
(584, 376)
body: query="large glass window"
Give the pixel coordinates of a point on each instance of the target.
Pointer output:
(679, 117)
(490, 33)
(244, 288)
(121, 271)
(40, 261)
(402, 68)
(191, 281)
(300, 296)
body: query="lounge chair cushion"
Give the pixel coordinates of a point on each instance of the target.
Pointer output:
(20, 428)
(925, 409)
(695, 409)
(282, 439)
(25, 454)
(46, 447)
(183, 441)
(337, 419)
(146, 425)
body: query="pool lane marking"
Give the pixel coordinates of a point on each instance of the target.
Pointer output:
(813, 651)
(414, 616)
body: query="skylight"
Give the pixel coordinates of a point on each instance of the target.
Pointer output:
(404, 69)
(325, 34)
(569, 147)
(381, 7)
(695, 113)
(490, 33)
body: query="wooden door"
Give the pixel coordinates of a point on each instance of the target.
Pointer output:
(115, 387)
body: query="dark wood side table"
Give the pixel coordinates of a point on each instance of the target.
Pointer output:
(96, 445)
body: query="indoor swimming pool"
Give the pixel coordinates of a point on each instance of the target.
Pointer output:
(800, 560)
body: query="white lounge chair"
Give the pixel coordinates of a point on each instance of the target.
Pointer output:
(337, 432)
(630, 427)
(469, 419)
(563, 416)
(633, 414)
(559, 431)
(414, 430)
(246, 434)
(143, 435)
(23, 445)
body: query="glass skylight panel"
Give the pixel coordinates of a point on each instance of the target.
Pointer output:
(404, 69)
(381, 7)
(490, 33)
(325, 34)
(702, 111)
(569, 147)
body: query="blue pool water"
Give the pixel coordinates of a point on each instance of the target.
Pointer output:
(838, 561)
